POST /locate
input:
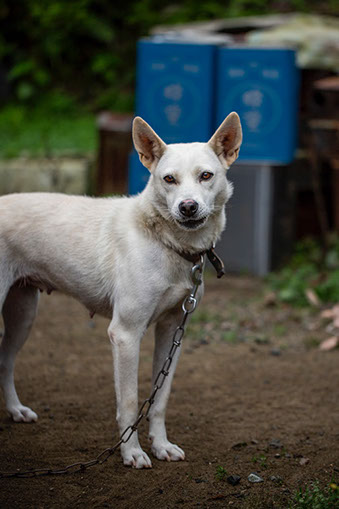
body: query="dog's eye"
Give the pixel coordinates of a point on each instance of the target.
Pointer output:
(206, 175)
(170, 179)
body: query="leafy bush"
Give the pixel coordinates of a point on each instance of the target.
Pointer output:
(310, 267)
(87, 47)
(59, 54)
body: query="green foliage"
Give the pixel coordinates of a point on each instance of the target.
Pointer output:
(261, 460)
(57, 125)
(79, 46)
(220, 473)
(87, 47)
(279, 329)
(204, 316)
(230, 336)
(313, 497)
(311, 268)
(58, 54)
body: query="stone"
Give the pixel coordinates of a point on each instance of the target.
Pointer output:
(254, 478)
(233, 479)
(204, 341)
(239, 445)
(276, 478)
(275, 443)
(261, 340)
(276, 352)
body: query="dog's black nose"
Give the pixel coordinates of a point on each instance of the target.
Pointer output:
(188, 208)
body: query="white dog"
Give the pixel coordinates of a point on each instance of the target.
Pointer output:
(123, 258)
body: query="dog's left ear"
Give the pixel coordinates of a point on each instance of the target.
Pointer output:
(227, 139)
(147, 143)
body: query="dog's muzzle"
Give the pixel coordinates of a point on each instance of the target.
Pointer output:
(192, 224)
(188, 209)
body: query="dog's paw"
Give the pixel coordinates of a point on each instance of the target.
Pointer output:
(136, 458)
(167, 451)
(22, 413)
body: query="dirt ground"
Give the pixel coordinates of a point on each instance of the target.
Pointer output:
(252, 393)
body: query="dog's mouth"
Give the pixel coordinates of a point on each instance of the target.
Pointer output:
(192, 224)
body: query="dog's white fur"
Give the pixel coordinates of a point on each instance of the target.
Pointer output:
(119, 257)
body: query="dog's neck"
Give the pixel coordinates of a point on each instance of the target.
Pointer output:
(171, 235)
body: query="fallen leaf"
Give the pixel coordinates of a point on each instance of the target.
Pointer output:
(329, 344)
(220, 496)
(312, 297)
(327, 313)
(331, 313)
(270, 299)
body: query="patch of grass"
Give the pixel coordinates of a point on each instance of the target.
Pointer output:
(203, 323)
(206, 323)
(311, 342)
(279, 329)
(230, 336)
(315, 497)
(220, 473)
(261, 460)
(57, 126)
(205, 316)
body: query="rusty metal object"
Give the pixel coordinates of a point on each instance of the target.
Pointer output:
(115, 144)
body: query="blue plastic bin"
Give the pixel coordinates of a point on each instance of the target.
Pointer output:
(174, 94)
(185, 90)
(262, 85)
(175, 88)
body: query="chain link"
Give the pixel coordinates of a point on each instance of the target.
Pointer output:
(188, 306)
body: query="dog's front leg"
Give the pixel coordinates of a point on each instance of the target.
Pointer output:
(161, 447)
(126, 345)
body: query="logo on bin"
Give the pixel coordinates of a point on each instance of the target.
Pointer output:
(259, 107)
(174, 103)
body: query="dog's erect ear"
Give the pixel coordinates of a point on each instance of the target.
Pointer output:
(147, 143)
(227, 139)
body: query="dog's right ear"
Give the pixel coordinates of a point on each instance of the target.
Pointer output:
(147, 143)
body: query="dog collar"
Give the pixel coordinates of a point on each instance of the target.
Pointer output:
(215, 260)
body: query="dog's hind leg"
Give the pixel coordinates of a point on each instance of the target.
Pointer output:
(18, 311)
(161, 447)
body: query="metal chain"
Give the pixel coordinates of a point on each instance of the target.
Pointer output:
(188, 306)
